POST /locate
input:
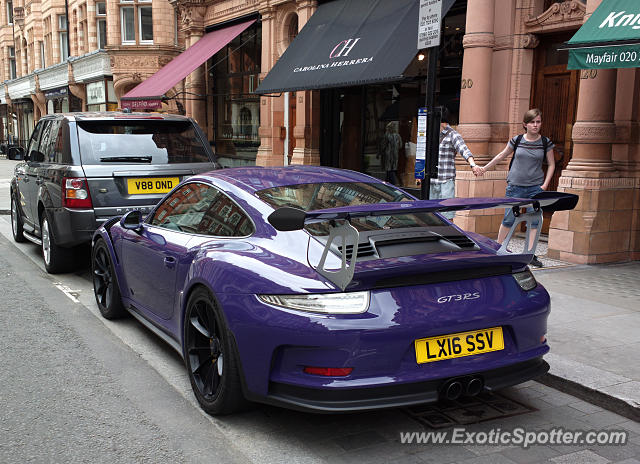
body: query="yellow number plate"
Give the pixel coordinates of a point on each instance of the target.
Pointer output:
(151, 185)
(459, 345)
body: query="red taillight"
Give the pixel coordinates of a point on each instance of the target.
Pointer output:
(328, 371)
(75, 193)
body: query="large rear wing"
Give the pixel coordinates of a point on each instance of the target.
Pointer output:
(289, 219)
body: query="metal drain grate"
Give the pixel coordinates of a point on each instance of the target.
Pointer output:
(467, 410)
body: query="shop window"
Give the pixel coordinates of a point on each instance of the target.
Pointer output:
(63, 37)
(237, 110)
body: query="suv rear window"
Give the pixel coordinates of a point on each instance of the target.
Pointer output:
(145, 142)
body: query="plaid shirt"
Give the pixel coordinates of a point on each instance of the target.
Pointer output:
(451, 144)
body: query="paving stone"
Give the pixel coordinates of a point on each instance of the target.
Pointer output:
(489, 459)
(585, 407)
(441, 454)
(580, 457)
(360, 440)
(531, 454)
(603, 419)
(629, 461)
(618, 452)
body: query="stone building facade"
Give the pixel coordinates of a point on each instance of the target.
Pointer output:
(511, 56)
(509, 60)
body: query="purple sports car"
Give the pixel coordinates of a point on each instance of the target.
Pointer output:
(326, 290)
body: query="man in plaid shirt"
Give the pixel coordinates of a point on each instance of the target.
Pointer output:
(451, 142)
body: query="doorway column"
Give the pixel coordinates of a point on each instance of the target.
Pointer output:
(475, 104)
(307, 123)
(598, 229)
(271, 130)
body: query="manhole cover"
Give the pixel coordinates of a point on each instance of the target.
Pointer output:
(467, 410)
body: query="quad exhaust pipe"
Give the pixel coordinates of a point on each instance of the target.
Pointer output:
(468, 386)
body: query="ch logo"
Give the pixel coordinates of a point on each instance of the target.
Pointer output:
(343, 48)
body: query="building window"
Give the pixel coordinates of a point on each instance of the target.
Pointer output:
(137, 22)
(146, 24)
(12, 63)
(128, 25)
(62, 33)
(101, 24)
(9, 12)
(43, 60)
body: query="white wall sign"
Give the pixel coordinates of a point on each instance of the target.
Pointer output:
(429, 20)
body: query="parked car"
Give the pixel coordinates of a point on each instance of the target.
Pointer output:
(324, 290)
(81, 169)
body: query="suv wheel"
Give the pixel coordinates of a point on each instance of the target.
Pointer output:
(56, 259)
(16, 222)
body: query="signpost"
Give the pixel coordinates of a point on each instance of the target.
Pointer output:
(428, 37)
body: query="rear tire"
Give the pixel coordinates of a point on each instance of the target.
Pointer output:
(56, 259)
(16, 222)
(209, 356)
(105, 283)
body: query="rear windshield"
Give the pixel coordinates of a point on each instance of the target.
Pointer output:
(140, 142)
(337, 194)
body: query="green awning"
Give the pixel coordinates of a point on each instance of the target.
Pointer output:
(609, 39)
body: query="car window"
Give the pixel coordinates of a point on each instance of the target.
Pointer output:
(34, 143)
(51, 151)
(130, 141)
(49, 134)
(310, 197)
(202, 209)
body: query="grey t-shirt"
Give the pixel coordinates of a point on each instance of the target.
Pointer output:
(526, 169)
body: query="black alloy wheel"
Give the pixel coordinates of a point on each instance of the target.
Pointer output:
(209, 356)
(16, 222)
(105, 284)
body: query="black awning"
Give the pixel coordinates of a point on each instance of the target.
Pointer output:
(349, 42)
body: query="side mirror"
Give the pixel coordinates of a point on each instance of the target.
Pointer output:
(16, 153)
(132, 221)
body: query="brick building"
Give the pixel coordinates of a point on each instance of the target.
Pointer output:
(497, 59)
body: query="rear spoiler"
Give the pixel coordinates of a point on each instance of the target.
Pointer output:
(288, 219)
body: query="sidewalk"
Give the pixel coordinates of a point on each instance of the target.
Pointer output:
(594, 333)
(6, 174)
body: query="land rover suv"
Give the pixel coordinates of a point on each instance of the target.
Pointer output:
(81, 169)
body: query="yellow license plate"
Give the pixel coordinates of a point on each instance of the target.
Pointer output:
(458, 345)
(151, 185)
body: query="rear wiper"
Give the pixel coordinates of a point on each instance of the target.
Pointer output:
(133, 159)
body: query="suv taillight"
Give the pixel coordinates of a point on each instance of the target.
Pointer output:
(75, 193)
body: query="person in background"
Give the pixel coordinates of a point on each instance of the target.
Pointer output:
(526, 177)
(390, 146)
(451, 142)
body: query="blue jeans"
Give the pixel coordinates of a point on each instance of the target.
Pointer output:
(443, 191)
(518, 191)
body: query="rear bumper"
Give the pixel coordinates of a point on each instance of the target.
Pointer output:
(355, 399)
(73, 227)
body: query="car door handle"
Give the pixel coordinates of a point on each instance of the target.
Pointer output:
(169, 261)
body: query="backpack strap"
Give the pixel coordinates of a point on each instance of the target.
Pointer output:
(515, 147)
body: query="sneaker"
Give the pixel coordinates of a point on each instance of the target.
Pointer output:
(536, 262)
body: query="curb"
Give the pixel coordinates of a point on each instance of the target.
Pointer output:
(593, 396)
